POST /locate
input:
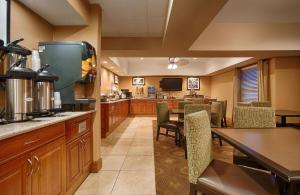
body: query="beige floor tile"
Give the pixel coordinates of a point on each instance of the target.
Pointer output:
(135, 163)
(116, 141)
(140, 150)
(135, 182)
(98, 184)
(114, 150)
(124, 135)
(142, 142)
(111, 163)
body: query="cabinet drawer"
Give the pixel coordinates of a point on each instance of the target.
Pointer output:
(77, 127)
(20, 144)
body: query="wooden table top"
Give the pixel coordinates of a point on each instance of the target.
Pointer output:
(277, 149)
(290, 113)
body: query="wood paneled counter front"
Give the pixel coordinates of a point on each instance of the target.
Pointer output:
(49, 155)
(148, 106)
(112, 114)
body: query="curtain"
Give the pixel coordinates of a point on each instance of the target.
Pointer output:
(263, 80)
(236, 86)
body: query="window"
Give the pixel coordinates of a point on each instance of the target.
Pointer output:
(249, 84)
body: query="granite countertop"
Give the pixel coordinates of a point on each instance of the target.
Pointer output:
(13, 129)
(114, 101)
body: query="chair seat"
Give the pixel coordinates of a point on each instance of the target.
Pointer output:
(223, 178)
(240, 158)
(170, 125)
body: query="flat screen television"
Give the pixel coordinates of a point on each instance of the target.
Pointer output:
(171, 84)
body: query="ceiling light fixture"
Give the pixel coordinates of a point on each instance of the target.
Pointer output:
(195, 58)
(104, 62)
(142, 58)
(172, 65)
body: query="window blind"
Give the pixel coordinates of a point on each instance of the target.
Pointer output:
(249, 84)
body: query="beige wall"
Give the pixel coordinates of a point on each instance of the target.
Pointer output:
(222, 88)
(28, 25)
(285, 83)
(107, 80)
(126, 83)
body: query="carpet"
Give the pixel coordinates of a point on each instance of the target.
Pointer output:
(171, 168)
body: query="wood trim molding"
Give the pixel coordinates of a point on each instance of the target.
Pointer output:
(96, 166)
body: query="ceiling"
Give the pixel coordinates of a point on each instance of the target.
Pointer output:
(56, 12)
(260, 11)
(133, 18)
(149, 66)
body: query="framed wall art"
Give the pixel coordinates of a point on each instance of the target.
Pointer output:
(193, 83)
(138, 80)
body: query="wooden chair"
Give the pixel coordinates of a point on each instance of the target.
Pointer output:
(181, 105)
(251, 117)
(163, 121)
(216, 117)
(224, 110)
(216, 177)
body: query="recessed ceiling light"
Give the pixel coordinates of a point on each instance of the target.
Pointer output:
(195, 58)
(141, 58)
(111, 67)
(104, 62)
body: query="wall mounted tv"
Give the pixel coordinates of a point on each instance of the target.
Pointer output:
(171, 84)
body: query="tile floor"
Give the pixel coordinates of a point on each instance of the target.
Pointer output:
(128, 161)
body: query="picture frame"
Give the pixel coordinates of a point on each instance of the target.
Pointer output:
(138, 81)
(193, 83)
(116, 79)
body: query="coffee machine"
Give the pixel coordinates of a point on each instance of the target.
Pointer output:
(18, 82)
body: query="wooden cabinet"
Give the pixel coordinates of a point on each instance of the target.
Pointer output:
(14, 176)
(48, 176)
(79, 152)
(44, 161)
(148, 106)
(112, 114)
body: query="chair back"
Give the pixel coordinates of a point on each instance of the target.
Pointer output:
(224, 107)
(181, 104)
(192, 108)
(199, 144)
(217, 109)
(261, 104)
(254, 117)
(162, 112)
(199, 101)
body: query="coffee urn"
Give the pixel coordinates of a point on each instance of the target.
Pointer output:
(19, 82)
(44, 91)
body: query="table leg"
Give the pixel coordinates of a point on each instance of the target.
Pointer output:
(283, 121)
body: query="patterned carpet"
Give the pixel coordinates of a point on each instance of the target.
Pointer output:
(171, 169)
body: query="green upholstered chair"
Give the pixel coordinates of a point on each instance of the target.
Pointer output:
(216, 177)
(261, 104)
(251, 117)
(199, 101)
(192, 108)
(217, 116)
(181, 105)
(163, 121)
(224, 110)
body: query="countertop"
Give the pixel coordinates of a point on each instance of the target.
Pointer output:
(114, 101)
(13, 129)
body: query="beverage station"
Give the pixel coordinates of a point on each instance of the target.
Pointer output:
(54, 83)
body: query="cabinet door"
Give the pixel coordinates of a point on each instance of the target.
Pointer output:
(87, 152)
(74, 167)
(15, 176)
(49, 169)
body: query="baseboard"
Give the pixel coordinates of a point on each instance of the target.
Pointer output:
(96, 166)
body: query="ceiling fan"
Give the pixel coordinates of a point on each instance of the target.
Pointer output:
(174, 62)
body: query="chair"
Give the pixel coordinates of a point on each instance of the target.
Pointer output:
(261, 104)
(192, 108)
(199, 101)
(163, 121)
(251, 117)
(181, 105)
(216, 177)
(224, 110)
(216, 117)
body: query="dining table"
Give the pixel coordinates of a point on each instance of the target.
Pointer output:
(283, 114)
(276, 149)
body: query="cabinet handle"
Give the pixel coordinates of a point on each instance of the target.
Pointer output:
(38, 164)
(31, 167)
(31, 141)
